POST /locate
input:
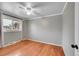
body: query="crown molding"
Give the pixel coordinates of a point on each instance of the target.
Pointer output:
(64, 7)
(47, 16)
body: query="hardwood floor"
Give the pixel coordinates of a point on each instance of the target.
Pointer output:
(31, 48)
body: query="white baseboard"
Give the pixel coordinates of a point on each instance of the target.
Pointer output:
(31, 40)
(46, 42)
(11, 43)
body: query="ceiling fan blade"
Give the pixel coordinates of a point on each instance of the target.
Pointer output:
(22, 3)
(21, 7)
(37, 13)
(25, 4)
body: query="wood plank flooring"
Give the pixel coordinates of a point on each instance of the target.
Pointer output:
(31, 48)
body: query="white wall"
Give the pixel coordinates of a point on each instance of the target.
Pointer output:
(47, 29)
(69, 28)
(25, 33)
(11, 37)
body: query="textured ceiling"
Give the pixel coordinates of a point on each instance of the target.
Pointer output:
(42, 8)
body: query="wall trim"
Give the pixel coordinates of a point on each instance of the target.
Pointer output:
(47, 16)
(64, 7)
(11, 43)
(45, 42)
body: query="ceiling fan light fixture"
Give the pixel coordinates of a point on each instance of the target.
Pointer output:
(28, 13)
(28, 10)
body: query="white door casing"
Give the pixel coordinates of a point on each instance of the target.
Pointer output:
(77, 27)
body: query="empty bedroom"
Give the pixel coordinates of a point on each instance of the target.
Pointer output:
(39, 28)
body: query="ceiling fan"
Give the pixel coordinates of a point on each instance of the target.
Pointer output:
(29, 9)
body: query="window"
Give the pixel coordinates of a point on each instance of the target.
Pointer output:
(7, 22)
(11, 25)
